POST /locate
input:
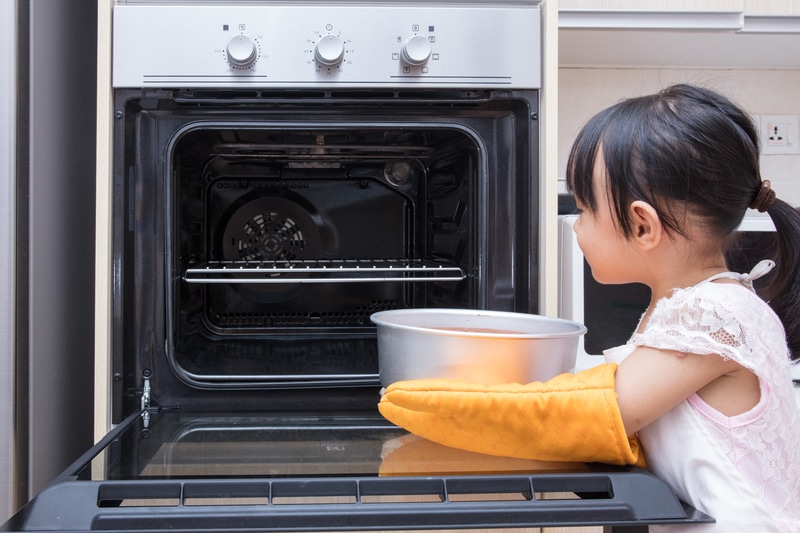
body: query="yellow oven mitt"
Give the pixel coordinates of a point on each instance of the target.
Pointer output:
(572, 417)
(412, 455)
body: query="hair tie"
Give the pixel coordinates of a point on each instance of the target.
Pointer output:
(764, 197)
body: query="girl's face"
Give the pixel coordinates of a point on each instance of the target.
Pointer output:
(608, 252)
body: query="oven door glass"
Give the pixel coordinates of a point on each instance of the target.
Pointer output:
(173, 444)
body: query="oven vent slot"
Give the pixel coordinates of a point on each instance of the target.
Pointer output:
(630, 499)
(322, 271)
(360, 97)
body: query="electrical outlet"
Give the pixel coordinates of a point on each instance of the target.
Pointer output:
(779, 134)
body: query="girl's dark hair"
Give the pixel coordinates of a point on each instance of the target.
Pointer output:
(688, 150)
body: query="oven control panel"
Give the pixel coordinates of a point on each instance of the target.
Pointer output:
(299, 44)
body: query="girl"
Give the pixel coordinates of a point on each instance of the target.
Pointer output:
(662, 182)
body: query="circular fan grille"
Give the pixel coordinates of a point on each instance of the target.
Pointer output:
(270, 229)
(270, 236)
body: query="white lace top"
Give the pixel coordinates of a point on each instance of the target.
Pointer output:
(744, 470)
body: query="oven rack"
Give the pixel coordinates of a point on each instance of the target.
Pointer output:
(322, 271)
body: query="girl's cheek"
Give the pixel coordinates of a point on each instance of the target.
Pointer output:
(584, 249)
(577, 225)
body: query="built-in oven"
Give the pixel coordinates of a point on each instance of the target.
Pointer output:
(281, 171)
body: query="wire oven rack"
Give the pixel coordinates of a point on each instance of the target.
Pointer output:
(322, 271)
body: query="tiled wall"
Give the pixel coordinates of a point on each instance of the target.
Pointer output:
(585, 91)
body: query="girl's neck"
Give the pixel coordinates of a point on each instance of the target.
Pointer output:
(679, 265)
(666, 290)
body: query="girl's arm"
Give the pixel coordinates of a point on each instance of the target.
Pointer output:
(650, 382)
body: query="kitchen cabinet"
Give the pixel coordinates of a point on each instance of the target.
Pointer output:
(743, 16)
(657, 5)
(681, 34)
(772, 7)
(658, 14)
(747, 7)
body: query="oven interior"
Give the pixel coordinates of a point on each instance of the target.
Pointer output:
(285, 242)
(260, 232)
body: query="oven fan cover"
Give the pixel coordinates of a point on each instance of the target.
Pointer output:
(270, 229)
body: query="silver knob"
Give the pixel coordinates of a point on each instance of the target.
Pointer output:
(416, 50)
(241, 51)
(329, 50)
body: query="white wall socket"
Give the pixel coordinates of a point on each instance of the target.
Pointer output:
(778, 134)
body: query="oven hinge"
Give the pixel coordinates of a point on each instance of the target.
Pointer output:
(146, 394)
(146, 403)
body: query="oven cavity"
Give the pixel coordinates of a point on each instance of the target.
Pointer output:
(285, 240)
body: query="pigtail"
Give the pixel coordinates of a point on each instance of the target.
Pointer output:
(782, 291)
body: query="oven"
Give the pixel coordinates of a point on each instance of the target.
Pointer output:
(281, 171)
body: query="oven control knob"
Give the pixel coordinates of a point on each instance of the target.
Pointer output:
(329, 51)
(416, 50)
(241, 51)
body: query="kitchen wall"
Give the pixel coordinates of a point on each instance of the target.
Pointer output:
(584, 91)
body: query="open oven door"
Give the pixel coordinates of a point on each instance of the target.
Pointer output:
(167, 470)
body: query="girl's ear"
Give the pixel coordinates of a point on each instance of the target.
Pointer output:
(647, 228)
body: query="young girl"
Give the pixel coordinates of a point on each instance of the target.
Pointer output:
(662, 182)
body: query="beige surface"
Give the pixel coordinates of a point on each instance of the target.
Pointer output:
(102, 375)
(548, 166)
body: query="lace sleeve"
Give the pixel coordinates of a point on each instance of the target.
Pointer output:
(712, 318)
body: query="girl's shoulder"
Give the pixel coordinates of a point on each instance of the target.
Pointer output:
(728, 296)
(727, 319)
(725, 296)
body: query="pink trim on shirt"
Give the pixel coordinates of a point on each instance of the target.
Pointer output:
(743, 419)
